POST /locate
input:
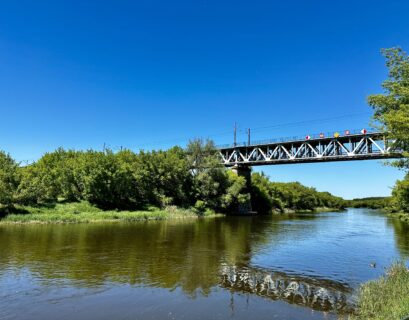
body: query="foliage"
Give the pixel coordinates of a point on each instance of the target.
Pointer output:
(200, 207)
(103, 181)
(403, 217)
(236, 194)
(371, 202)
(202, 155)
(392, 107)
(191, 178)
(210, 180)
(53, 175)
(261, 198)
(386, 298)
(278, 196)
(9, 179)
(400, 195)
(392, 113)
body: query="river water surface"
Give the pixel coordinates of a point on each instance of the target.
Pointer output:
(304, 267)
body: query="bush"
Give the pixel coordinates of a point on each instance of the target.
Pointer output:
(200, 207)
(9, 180)
(236, 193)
(130, 181)
(277, 195)
(400, 195)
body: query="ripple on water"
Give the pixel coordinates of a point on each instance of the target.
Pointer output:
(303, 267)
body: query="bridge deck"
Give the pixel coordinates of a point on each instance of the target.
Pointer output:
(368, 146)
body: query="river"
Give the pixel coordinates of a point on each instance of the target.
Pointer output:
(307, 266)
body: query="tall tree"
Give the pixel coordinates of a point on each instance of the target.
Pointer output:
(392, 112)
(392, 107)
(210, 180)
(9, 179)
(400, 195)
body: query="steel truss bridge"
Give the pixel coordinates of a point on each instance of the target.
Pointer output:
(356, 146)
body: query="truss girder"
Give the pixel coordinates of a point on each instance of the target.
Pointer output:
(354, 147)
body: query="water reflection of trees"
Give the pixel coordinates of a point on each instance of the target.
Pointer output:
(166, 254)
(401, 233)
(193, 255)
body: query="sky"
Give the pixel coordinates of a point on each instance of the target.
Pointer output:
(153, 74)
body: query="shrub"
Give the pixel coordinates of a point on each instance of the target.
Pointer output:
(9, 180)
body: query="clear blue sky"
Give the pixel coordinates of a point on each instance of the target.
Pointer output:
(150, 74)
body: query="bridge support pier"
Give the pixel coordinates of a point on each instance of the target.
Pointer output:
(245, 172)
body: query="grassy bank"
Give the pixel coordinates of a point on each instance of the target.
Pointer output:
(83, 212)
(386, 298)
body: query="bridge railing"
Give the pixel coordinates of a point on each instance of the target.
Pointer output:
(321, 135)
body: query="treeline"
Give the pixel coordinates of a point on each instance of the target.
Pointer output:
(370, 202)
(124, 180)
(190, 178)
(267, 195)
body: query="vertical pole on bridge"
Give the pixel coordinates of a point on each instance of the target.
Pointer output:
(235, 134)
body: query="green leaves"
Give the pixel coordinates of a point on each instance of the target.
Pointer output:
(400, 195)
(392, 113)
(9, 180)
(391, 109)
(236, 194)
(122, 180)
(126, 181)
(267, 196)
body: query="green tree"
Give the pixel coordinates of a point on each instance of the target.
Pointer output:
(400, 195)
(392, 113)
(31, 189)
(160, 177)
(50, 178)
(137, 183)
(391, 108)
(210, 180)
(261, 199)
(39, 181)
(9, 180)
(202, 155)
(236, 194)
(126, 180)
(102, 181)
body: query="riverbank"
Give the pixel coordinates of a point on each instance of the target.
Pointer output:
(403, 216)
(386, 298)
(316, 210)
(83, 212)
